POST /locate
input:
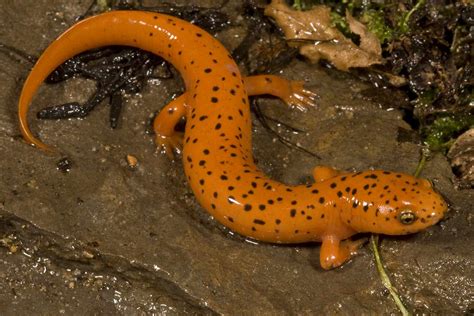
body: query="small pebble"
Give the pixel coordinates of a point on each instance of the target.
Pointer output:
(132, 161)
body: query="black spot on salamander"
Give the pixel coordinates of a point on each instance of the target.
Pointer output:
(355, 204)
(214, 100)
(241, 113)
(354, 191)
(234, 74)
(387, 172)
(214, 61)
(180, 52)
(366, 187)
(203, 117)
(206, 151)
(373, 185)
(293, 212)
(278, 221)
(398, 176)
(195, 141)
(232, 91)
(244, 100)
(218, 126)
(395, 198)
(377, 211)
(202, 162)
(247, 207)
(155, 17)
(385, 187)
(271, 202)
(254, 229)
(279, 199)
(169, 45)
(339, 194)
(315, 191)
(230, 188)
(261, 207)
(343, 178)
(333, 185)
(289, 190)
(259, 222)
(254, 184)
(215, 88)
(224, 177)
(230, 219)
(230, 117)
(198, 34)
(294, 202)
(321, 200)
(213, 206)
(365, 208)
(151, 34)
(309, 218)
(322, 215)
(208, 70)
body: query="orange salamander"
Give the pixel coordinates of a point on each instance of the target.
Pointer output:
(217, 146)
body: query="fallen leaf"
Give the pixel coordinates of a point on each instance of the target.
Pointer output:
(317, 39)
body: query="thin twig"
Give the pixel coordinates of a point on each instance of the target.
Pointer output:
(385, 279)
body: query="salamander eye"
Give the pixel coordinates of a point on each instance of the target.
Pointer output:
(406, 217)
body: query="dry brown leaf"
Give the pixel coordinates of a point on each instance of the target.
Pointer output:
(312, 31)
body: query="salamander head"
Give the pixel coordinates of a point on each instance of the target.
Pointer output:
(391, 203)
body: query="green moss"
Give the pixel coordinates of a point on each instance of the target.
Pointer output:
(440, 135)
(375, 21)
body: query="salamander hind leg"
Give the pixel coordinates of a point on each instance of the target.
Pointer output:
(335, 253)
(291, 92)
(166, 138)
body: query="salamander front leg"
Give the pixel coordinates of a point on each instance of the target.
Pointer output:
(335, 252)
(167, 139)
(291, 92)
(322, 173)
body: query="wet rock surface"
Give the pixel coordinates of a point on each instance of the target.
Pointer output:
(104, 238)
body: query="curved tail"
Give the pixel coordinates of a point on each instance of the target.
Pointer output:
(146, 30)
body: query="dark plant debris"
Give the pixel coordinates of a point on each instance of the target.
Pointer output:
(121, 70)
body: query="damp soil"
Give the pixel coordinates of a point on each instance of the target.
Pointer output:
(106, 239)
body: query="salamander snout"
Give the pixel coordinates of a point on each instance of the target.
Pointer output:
(395, 204)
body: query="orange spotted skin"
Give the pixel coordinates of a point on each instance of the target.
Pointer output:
(217, 147)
